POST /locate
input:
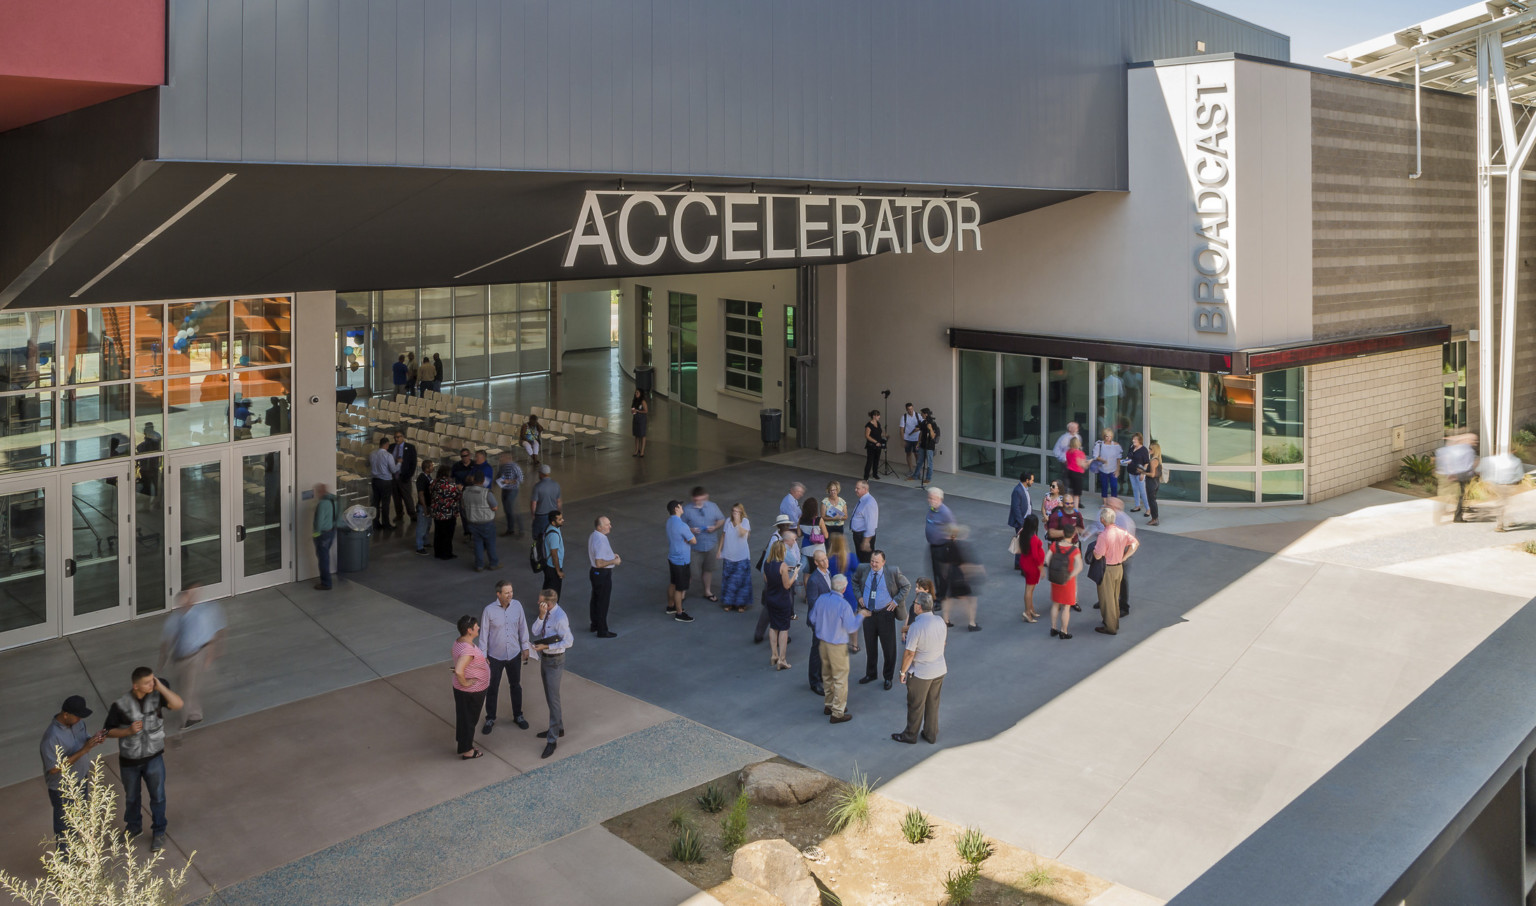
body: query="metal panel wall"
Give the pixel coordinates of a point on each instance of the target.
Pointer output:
(1020, 93)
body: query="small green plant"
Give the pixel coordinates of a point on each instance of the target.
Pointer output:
(688, 848)
(850, 804)
(733, 828)
(1281, 454)
(680, 818)
(1037, 877)
(1529, 547)
(960, 884)
(972, 846)
(1418, 468)
(916, 827)
(712, 800)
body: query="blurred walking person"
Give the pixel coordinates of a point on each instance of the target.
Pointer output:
(962, 575)
(509, 480)
(936, 531)
(193, 638)
(1455, 463)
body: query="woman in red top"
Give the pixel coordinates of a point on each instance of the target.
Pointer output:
(1077, 468)
(1031, 558)
(1064, 594)
(471, 676)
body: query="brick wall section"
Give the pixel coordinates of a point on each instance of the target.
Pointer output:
(1352, 408)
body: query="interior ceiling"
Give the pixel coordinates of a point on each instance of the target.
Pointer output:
(284, 228)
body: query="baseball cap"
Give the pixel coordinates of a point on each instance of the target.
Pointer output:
(544, 469)
(75, 705)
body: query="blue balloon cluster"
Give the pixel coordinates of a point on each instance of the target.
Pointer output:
(189, 325)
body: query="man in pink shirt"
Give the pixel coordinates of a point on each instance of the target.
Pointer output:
(1115, 545)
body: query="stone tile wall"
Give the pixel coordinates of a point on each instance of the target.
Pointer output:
(1353, 406)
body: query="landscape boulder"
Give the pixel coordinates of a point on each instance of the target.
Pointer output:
(771, 783)
(777, 867)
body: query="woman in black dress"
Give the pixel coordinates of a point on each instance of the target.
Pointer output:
(874, 442)
(638, 409)
(779, 600)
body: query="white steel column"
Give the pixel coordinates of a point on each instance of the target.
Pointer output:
(1485, 376)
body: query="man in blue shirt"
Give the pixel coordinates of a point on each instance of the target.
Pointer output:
(936, 531)
(865, 521)
(554, 553)
(704, 519)
(833, 620)
(680, 543)
(401, 372)
(883, 591)
(66, 732)
(790, 505)
(192, 638)
(504, 639)
(553, 625)
(384, 469)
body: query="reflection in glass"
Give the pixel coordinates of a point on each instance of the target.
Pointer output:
(357, 308)
(1283, 416)
(26, 349)
(469, 348)
(395, 339)
(469, 300)
(437, 302)
(533, 332)
(507, 297)
(198, 337)
(150, 592)
(503, 344)
(397, 305)
(437, 338)
(197, 411)
(1016, 464)
(1285, 484)
(26, 431)
(262, 513)
(263, 405)
(978, 395)
(1229, 487)
(202, 519)
(263, 331)
(149, 416)
(148, 340)
(1119, 402)
(1174, 401)
(1066, 401)
(93, 542)
(978, 458)
(1179, 484)
(23, 560)
(94, 344)
(94, 423)
(1021, 402)
(1229, 421)
(353, 367)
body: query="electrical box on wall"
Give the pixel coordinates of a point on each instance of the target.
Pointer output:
(1398, 442)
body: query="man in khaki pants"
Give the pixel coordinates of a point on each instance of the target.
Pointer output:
(1115, 544)
(834, 620)
(922, 671)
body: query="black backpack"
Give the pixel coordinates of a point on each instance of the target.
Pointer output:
(536, 551)
(1060, 570)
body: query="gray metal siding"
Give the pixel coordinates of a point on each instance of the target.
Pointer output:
(972, 92)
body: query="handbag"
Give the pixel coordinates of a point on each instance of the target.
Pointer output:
(1013, 545)
(1096, 570)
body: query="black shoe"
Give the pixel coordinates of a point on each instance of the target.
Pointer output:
(157, 843)
(1125, 610)
(1065, 635)
(931, 742)
(490, 724)
(1104, 629)
(973, 628)
(522, 724)
(1077, 608)
(320, 587)
(867, 679)
(682, 617)
(826, 709)
(549, 749)
(607, 635)
(818, 689)
(887, 685)
(191, 723)
(840, 718)
(899, 738)
(1055, 633)
(544, 734)
(757, 640)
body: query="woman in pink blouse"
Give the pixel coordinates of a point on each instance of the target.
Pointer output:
(471, 676)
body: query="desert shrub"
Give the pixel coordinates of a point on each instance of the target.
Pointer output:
(972, 846)
(916, 827)
(960, 884)
(1281, 454)
(1419, 468)
(1036, 878)
(712, 800)
(733, 828)
(680, 818)
(688, 847)
(850, 803)
(97, 863)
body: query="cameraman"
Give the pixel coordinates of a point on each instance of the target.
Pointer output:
(874, 442)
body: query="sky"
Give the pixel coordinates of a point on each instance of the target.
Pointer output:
(1319, 27)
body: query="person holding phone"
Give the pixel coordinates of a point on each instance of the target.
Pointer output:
(137, 721)
(552, 637)
(65, 742)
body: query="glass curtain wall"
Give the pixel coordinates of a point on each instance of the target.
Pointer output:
(479, 332)
(1224, 438)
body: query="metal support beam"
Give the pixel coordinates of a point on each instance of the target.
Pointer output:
(1485, 378)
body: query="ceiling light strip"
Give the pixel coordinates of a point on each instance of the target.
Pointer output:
(154, 233)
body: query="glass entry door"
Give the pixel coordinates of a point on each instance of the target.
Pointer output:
(264, 517)
(197, 525)
(29, 595)
(97, 585)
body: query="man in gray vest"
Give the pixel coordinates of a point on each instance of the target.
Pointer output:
(137, 720)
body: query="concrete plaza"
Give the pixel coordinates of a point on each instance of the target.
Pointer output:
(1262, 646)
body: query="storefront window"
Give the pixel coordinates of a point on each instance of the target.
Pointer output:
(1453, 364)
(263, 403)
(1229, 421)
(395, 339)
(262, 331)
(469, 300)
(469, 348)
(1229, 487)
(1174, 408)
(94, 423)
(26, 349)
(504, 344)
(397, 305)
(94, 344)
(197, 411)
(26, 431)
(148, 340)
(1022, 425)
(1016, 464)
(1287, 484)
(437, 302)
(198, 337)
(437, 338)
(1283, 438)
(978, 458)
(978, 395)
(1119, 403)
(1067, 400)
(533, 342)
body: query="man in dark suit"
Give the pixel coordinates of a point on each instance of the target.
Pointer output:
(883, 591)
(405, 488)
(818, 583)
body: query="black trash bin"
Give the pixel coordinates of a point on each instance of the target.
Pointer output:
(645, 378)
(773, 424)
(352, 549)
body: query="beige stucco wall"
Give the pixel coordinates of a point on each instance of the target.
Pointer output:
(1352, 408)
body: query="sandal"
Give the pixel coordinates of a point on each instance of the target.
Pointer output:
(711, 598)
(1029, 619)
(476, 754)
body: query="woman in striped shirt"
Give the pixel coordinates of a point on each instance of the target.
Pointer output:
(471, 676)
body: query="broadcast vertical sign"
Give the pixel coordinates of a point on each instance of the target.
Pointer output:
(1209, 156)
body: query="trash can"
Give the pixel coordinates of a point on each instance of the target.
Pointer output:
(352, 549)
(773, 424)
(645, 378)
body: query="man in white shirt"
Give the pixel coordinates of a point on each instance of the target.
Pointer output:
(910, 422)
(504, 639)
(922, 672)
(384, 470)
(1065, 440)
(1456, 462)
(600, 554)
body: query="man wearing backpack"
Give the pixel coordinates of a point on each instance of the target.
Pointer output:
(927, 443)
(327, 514)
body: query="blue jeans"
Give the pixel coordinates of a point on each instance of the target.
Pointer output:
(423, 525)
(323, 542)
(924, 465)
(56, 797)
(152, 774)
(509, 506)
(1139, 491)
(484, 535)
(1109, 485)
